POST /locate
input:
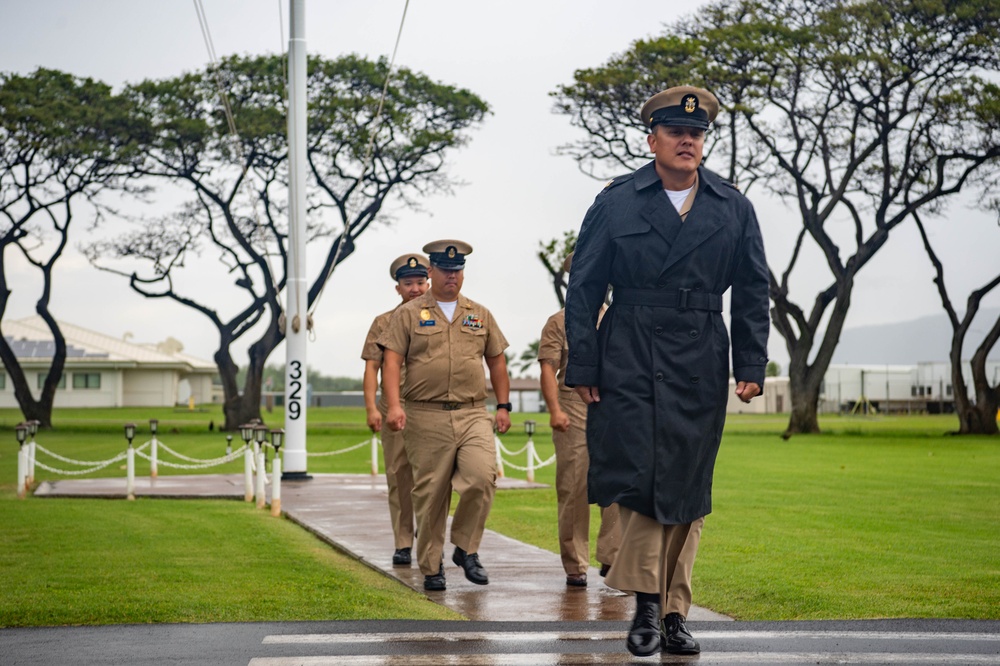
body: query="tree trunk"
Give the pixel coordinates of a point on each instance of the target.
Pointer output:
(805, 379)
(803, 383)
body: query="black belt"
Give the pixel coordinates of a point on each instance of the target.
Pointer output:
(681, 299)
(446, 406)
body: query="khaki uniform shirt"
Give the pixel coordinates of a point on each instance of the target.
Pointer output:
(552, 348)
(444, 360)
(372, 352)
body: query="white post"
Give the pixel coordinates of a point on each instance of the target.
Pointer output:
(276, 486)
(374, 454)
(297, 294)
(261, 473)
(152, 458)
(496, 445)
(248, 474)
(130, 473)
(531, 460)
(30, 469)
(22, 471)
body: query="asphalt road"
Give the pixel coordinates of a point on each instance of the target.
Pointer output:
(378, 643)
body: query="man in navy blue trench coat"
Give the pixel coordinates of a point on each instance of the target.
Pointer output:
(669, 239)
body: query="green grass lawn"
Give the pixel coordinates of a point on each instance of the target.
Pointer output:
(876, 518)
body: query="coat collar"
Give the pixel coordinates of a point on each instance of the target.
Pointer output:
(646, 176)
(697, 229)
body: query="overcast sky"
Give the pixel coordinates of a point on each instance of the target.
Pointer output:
(517, 192)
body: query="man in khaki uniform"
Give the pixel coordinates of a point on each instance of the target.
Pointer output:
(443, 338)
(568, 418)
(410, 275)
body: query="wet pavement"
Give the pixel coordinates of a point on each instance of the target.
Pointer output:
(350, 512)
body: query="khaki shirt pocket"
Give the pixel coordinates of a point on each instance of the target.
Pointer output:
(427, 342)
(473, 341)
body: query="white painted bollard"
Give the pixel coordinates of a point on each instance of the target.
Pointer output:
(374, 454)
(22, 471)
(248, 474)
(261, 475)
(130, 479)
(531, 460)
(276, 486)
(496, 445)
(30, 471)
(153, 473)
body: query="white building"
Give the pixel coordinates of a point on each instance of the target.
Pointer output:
(896, 388)
(102, 371)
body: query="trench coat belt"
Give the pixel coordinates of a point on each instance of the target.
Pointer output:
(446, 406)
(680, 299)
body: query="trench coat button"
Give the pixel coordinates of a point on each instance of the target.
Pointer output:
(659, 376)
(693, 334)
(658, 330)
(695, 379)
(661, 284)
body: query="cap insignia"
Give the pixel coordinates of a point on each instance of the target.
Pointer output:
(451, 251)
(412, 263)
(690, 103)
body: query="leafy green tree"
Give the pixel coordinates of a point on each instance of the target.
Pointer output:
(237, 209)
(63, 141)
(857, 114)
(773, 369)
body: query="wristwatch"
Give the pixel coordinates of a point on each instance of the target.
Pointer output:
(505, 405)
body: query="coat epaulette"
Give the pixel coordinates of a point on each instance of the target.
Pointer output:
(730, 184)
(616, 181)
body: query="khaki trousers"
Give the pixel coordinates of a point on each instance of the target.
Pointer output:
(399, 479)
(449, 449)
(656, 558)
(572, 463)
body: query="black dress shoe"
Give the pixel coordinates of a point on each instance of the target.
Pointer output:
(401, 557)
(605, 568)
(644, 636)
(474, 571)
(576, 580)
(435, 582)
(676, 638)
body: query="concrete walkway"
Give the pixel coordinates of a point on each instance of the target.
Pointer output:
(350, 512)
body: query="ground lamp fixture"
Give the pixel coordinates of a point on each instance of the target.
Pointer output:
(130, 432)
(277, 439)
(21, 432)
(153, 424)
(529, 428)
(246, 433)
(33, 427)
(260, 433)
(229, 444)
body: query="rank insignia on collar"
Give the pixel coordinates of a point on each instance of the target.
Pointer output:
(425, 314)
(472, 321)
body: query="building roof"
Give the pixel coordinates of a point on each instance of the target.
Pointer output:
(30, 339)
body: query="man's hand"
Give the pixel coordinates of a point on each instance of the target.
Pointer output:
(396, 418)
(502, 421)
(559, 420)
(588, 393)
(374, 420)
(746, 391)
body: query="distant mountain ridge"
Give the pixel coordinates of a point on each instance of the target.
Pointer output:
(910, 342)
